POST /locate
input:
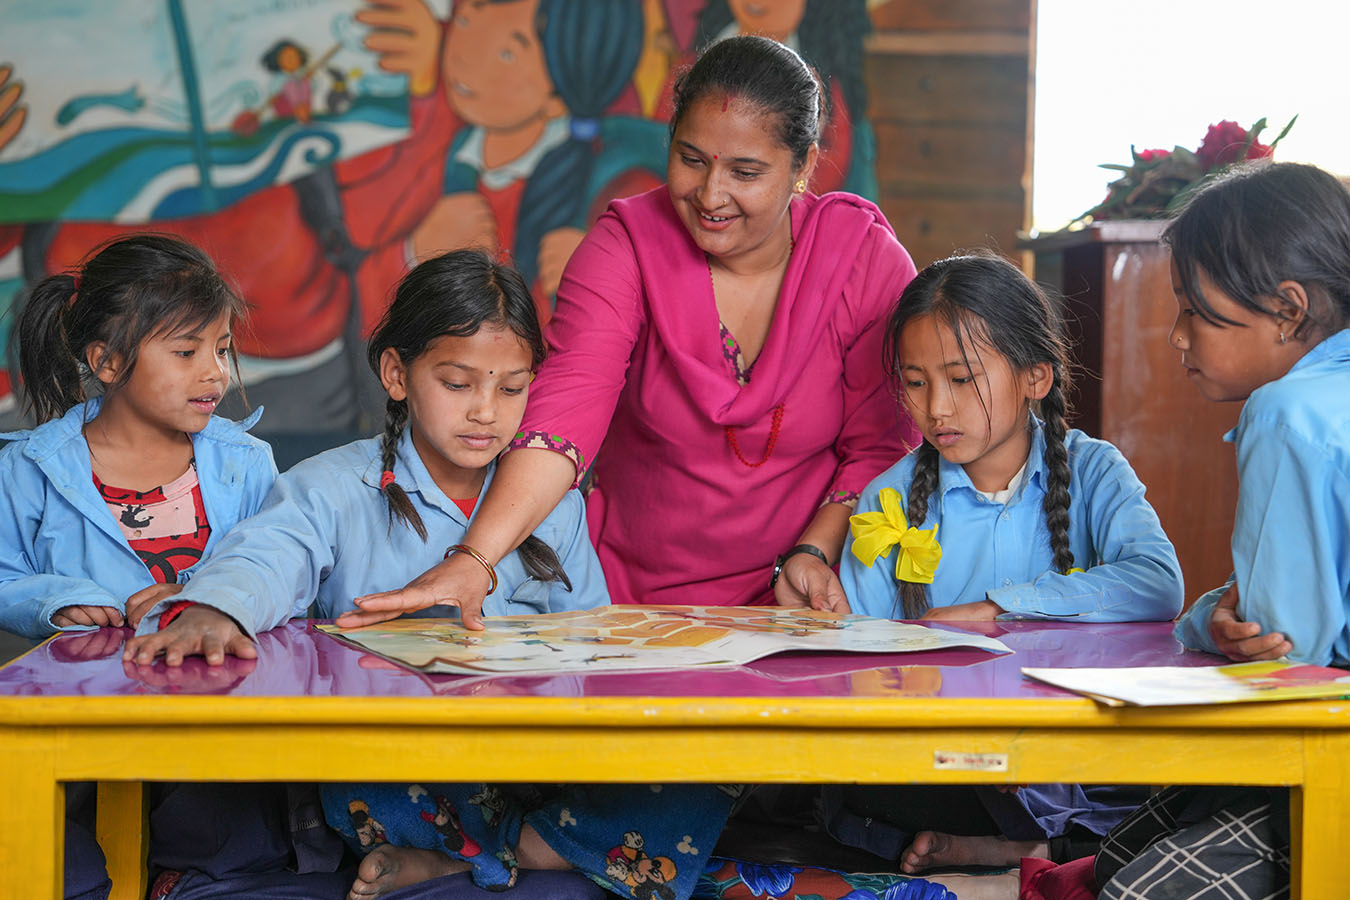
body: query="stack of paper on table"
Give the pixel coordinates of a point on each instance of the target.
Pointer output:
(1175, 686)
(610, 638)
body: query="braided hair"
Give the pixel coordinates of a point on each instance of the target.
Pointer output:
(455, 294)
(987, 301)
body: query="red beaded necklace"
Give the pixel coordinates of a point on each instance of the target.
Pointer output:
(777, 424)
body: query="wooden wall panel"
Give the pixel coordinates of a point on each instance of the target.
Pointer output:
(1011, 15)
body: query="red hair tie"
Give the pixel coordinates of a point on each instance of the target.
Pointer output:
(75, 279)
(386, 479)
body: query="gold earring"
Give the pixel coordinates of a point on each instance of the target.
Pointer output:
(800, 186)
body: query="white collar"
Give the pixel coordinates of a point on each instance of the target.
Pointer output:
(555, 132)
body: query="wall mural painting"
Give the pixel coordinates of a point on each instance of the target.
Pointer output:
(316, 148)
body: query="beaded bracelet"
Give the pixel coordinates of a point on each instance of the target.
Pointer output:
(465, 548)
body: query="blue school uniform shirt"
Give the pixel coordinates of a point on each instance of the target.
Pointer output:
(324, 534)
(1291, 534)
(1002, 550)
(59, 545)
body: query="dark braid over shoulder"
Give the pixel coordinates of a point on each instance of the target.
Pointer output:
(913, 596)
(541, 562)
(400, 506)
(1057, 464)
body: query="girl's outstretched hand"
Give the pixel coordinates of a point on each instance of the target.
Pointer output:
(458, 581)
(807, 582)
(978, 611)
(198, 631)
(1239, 640)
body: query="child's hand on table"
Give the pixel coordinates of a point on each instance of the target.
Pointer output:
(97, 616)
(197, 631)
(979, 611)
(1239, 640)
(141, 602)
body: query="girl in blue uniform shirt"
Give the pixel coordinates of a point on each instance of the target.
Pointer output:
(455, 352)
(1261, 273)
(110, 502)
(1003, 511)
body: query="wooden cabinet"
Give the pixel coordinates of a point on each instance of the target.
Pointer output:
(1131, 390)
(950, 97)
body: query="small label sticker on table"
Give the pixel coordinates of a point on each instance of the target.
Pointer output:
(970, 762)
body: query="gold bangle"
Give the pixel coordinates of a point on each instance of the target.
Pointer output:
(465, 548)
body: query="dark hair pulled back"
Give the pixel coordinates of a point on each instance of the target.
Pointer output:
(455, 294)
(988, 302)
(1259, 225)
(125, 291)
(768, 75)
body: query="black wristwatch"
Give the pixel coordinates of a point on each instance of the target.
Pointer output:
(800, 548)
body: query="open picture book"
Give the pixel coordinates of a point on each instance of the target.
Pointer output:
(612, 638)
(1176, 686)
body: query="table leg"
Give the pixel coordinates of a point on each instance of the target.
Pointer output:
(32, 830)
(123, 829)
(1317, 817)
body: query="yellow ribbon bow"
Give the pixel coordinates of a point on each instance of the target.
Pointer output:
(875, 533)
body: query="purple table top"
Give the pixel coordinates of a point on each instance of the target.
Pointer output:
(295, 660)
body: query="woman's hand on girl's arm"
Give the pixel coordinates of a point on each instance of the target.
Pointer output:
(459, 581)
(97, 616)
(1239, 640)
(807, 582)
(979, 611)
(197, 631)
(144, 600)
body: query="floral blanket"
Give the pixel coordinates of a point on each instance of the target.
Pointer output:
(729, 879)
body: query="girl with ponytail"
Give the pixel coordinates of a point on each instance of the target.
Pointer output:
(1004, 511)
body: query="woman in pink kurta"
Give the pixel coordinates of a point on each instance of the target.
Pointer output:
(715, 360)
(678, 513)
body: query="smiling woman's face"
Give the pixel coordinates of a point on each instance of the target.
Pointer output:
(729, 176)
(493, 66)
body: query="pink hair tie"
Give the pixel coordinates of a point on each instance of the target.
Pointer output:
(386, 479)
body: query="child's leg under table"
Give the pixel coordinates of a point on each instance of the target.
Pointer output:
(639, 840)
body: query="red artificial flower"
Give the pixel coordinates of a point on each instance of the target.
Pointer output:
(1153, 155)
(1224, 143)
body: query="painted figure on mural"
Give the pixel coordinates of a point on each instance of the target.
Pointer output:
(523, 122)
(829, 36)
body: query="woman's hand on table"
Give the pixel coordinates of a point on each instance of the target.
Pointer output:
(197, 631)
(1239, 640)
(458, 581)
(805, 581)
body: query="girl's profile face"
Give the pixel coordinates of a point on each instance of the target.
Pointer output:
(730, 178)
(1228, 362)
(178, 380)
(971, 406)
(493, 65)
(466, 398)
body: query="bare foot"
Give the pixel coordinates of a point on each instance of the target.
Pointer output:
(933, 848)
(387, 868)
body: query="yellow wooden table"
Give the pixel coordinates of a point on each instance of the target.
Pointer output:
(313, 709)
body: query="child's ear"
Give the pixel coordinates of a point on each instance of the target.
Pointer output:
(1039, 377)
(1291, 309)
(393, 374)
(103, 364)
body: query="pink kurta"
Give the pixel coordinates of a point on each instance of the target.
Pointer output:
(638, 382)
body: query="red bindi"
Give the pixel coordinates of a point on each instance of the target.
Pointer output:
(714, 156)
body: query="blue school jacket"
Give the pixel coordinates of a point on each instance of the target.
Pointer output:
(59, 544)
(324, 534)
(1002, 551)
(1291, 535)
